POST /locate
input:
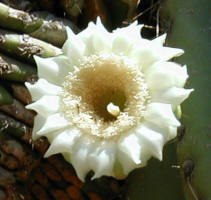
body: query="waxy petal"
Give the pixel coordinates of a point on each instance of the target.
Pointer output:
(161, 115)
(122, 45)
(45, 106)
(164, 75)
(133, 31)
(80, 157)
(53, 69)
(39, 120)
(74, 47)
(53, 122)
(147, 55)
(174, 96)
(101, 159)
(42, 87)
(130, 145)
(160, 40)
(63, 142)
(151, 140)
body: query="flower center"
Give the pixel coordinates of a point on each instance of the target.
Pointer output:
(105, 96)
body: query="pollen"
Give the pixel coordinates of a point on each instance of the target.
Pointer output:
(105, 96)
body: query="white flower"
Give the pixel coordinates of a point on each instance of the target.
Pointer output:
(107, 104)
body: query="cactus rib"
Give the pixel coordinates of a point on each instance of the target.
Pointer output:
(14, 70)
(190, 30)
(24, 46)
(42, 26)
(5, 97)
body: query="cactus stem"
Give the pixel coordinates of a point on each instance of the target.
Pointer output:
(13, 70)
(21, 93)
(50, 30)
(5, 97)
(24, 46)
(18, 111)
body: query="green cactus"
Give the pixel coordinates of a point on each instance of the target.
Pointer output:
(191, 31)
(42, 25)
(5, 97)
(14, 70)
(72, 7)
(33, 177)
(24, 46)
(158, 180)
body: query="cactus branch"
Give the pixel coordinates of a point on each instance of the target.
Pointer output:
(11, 126)
(24, 46)
(18, 20)
(21, 93)
(14, 70)
(44, 27)
(5, 97)
(18, 111)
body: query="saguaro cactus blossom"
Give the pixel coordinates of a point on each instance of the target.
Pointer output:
(107, 103)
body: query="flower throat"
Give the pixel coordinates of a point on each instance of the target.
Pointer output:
(105, 95)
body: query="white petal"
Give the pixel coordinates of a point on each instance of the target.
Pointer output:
(160, 40)
(127, 164)
(96, 38)
(101, 159)
(133, 31)
(53, 69)
(41, 88)
(145, 57)
(161, 115)
(174, 96)
(148, 54)
(39, 120)
(53, 122)
(172, 133)
(151, 140)
(130, 145)
(167, 53)
(45, 106)
(100, 26)
(164, 75)
(74, 47)
(87, 32)
(79, 158)
(100, 43)
(121, 44)
(63, 142)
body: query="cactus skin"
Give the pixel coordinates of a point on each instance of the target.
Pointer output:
(21, 93)
(24, 47)
(41, 25)
(5, 97)
(18, 20)
(14, 70)
(121, 15)
(191, 31)
(72, 7)
(158, 180)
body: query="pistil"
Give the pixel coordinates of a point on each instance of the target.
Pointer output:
(113, 109)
